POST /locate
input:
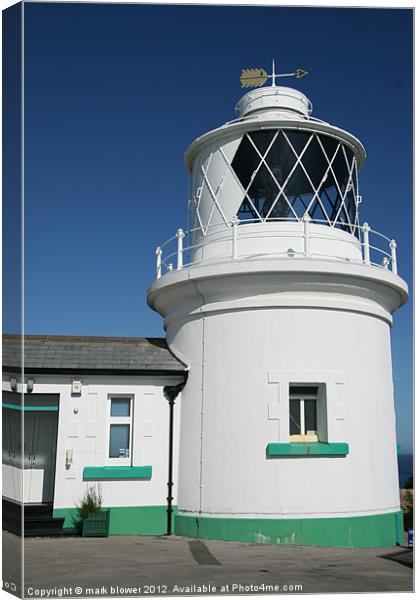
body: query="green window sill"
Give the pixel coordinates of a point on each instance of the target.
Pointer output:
(101, 473)
(308, 449)
(27, 407)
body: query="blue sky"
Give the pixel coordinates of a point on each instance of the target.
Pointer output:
(114, 94)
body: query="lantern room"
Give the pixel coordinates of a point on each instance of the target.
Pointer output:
(271, 170)
(275, 162)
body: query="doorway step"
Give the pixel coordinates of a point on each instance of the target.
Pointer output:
(38, 520)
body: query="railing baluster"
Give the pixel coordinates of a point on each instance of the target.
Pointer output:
(158, 262)
(180, 236)
(366, 247)
(393, 246)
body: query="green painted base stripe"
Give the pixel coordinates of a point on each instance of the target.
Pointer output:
(372, 531)
(125, 520)
(31, 408)
(99, 473)
(308, 449)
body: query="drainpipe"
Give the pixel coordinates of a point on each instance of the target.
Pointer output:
(171, 392)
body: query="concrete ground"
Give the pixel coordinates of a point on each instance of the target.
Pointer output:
(125, 565)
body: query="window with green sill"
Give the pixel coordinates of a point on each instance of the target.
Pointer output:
(120, 428)
(307, 412)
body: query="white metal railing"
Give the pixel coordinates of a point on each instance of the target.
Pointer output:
(182, 252)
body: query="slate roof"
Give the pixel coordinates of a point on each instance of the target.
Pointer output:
(85, 354)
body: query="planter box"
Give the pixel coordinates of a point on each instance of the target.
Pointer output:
(96, 524)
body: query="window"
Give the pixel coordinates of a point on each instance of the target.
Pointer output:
(120, 429)
(286, 174)
(303, 409)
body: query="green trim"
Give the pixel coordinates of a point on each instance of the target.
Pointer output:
(125, 520)
(308, 449)
(374, 531)
(92, 473)
(399, 449)
(31, 408)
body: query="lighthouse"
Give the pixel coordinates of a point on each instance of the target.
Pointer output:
(279, 299)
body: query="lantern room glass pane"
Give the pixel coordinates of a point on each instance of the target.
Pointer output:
(263, 190)
(328, 145)
(245, 161)
(341, 171)
(317, 214)
(246, 211)
(298, 139)
(316, 164)
(301, 172)
(263, 139)
(351, 206)
(298, 184)
(281, 158)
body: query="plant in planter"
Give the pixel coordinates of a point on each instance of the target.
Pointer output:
(95, 521)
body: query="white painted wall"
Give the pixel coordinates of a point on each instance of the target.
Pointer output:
(247, 329)
(83, 427)
(250, 357)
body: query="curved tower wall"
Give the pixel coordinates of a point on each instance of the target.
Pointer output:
(254, 328)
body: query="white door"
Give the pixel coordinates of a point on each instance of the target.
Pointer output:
(39, 456)
(12, 467)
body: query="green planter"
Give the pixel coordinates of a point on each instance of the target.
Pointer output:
(96, 524)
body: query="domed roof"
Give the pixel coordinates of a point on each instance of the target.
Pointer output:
(274, 98)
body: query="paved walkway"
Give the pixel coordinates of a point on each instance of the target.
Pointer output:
(125, 565)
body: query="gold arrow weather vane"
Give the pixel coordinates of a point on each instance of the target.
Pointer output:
(253, 77)
(257, 77)
(299, 73)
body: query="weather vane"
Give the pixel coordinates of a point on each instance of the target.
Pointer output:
(257, 77)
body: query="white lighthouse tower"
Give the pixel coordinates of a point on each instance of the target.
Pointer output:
(280, 302)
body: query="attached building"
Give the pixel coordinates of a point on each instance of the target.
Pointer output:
(96, 410)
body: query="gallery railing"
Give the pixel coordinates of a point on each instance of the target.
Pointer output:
(177, 253)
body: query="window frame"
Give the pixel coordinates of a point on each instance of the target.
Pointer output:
(122, 461)
(302, 397)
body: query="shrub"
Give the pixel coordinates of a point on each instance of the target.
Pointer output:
(91, 501)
